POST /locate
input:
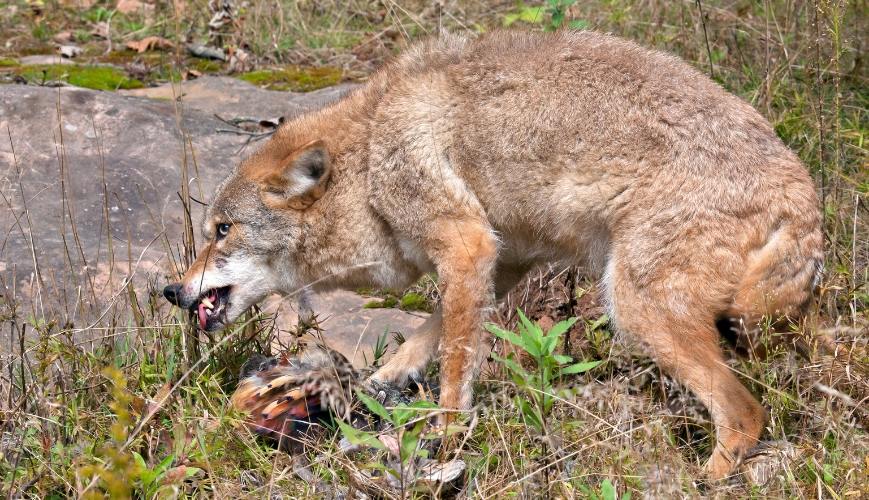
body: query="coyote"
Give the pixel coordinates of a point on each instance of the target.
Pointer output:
(479, 158)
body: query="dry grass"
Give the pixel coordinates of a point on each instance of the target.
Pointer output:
(86, 384)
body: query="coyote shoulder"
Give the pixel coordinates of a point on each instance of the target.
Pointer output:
(481, 158)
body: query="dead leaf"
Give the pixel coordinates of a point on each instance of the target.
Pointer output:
(391, 443)
(179, 474)
(81, 4)
(240, 61)
(138, 405)
(441, 472)
(190, 74)
(46, 441)
(159, 399)
(150, 43)
(546, 323)
(129, 6)
(63, 38)
(101, 30)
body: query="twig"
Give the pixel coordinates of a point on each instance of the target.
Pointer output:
(706, 37)
(254, 135)
(829, 391)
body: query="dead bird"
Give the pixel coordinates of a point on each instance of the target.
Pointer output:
(293, 399)
(285, 396)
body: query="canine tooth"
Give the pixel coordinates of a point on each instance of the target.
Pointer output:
(207, 303)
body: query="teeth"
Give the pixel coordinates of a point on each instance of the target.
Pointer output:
(207, 303)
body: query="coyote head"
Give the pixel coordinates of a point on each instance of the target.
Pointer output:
(253, 230)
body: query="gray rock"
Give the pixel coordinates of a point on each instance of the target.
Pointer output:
(230, 97)
(79, 154)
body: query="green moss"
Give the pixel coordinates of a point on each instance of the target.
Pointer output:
(294, 78)
(387, 303)
(8, 62)
(89, 77)
(122, 57)
(207, 66)
(412, 301)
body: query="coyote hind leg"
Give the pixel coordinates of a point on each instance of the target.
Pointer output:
(686, 347)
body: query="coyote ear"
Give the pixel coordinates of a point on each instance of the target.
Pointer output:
(301, 179)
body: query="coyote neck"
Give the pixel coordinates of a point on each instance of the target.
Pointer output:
(341, 125)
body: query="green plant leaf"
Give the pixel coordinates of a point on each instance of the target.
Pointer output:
(561, 327)
(402, 415)
(532, 15)
(164, 465)
(358, 437)
(374, 406)
(578, 24)
(449, 431)
(409, 441)
(140, 461)
(532, 334)
(423, 405)
(512, 365)
(607, 490)
(594, 325)
(579, 367)
(556, 21)
(561, 359)
(508, 336)
(529, 413)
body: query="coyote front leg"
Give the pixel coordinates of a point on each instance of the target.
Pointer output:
(464, 251)
(413, 356)
(411, 359)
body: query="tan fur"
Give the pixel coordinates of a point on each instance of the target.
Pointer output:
(481, 158)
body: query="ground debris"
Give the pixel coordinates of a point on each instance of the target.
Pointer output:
(768, 460)
(150, 43)
(206, 52)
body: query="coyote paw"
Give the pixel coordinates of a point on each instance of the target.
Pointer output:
(397, 372)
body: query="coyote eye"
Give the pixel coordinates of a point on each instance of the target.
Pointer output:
(222, 230)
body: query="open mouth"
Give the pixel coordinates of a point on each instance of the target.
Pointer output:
(211, 308)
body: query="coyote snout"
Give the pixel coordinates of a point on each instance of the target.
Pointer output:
(211, 307)
(479, 159)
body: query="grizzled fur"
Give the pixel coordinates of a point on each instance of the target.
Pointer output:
(480, 158)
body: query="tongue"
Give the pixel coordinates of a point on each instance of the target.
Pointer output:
(202, 317)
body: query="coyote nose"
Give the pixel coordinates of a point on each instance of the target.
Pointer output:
(171, 292)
